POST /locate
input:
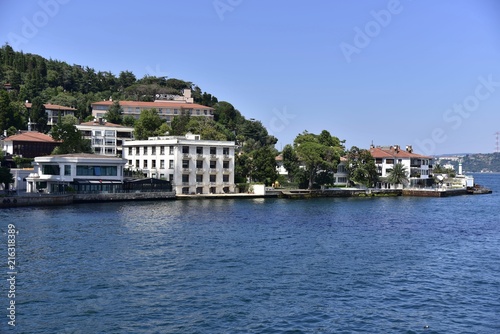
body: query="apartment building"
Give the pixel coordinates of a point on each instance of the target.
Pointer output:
(106, 138)
(167, 108)
(192, 165)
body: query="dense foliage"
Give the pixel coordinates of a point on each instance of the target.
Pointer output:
(319, 156)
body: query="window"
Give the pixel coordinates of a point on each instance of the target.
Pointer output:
(199, 164)
(400, 161)
(110, 150)
(225, 164)
(137, 151)
(225, 178)
(213, 163)
(185, 149)
(171, 164)
(176, 111)
(145, 164)
(97, 133)
(96, 170)
(110, 133)
(110, 141)
(153, 164)
(145, 150)
(185, 190)
(213, 150)
(199, 150)
(225, 150)
(199, 178)
(162, 164)
(185, 178)
(51, 169)
(378, 160)
(389, 161)
(170, 177)
(130, 162)
(67, 169)
(153, 150)
(130, 151)
(137, 163)
(213, 177)
(185, 163)
(171, 150)
(162, 150)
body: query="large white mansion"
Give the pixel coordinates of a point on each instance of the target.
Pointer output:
(192, 165)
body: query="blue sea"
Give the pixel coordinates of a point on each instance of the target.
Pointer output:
(333, 265)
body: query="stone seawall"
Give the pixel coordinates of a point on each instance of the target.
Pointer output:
(434, 193)
(341, 193)
(114, 197)
(36, 200)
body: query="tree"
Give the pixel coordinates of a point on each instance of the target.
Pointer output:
(263, 167)
(115, 113)
(6, 177)
(290, 161)
(318, 153)
(38, 114)
(398, 174)
(180, 123)
(71, 139)
(147, 125)
(361, 167)
(128, 120)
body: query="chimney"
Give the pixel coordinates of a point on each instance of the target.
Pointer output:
(409, 149)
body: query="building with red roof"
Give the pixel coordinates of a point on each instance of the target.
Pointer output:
(54, 111)
(173, 105)
(29, 144)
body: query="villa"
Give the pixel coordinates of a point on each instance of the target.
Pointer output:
(82, 172)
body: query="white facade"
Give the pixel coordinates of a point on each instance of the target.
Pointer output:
(106, 138)
(55, 172)
(194, 166)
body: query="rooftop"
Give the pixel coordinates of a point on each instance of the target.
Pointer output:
(49, 106)
(155, 104)
(33, 136)
(395, 152)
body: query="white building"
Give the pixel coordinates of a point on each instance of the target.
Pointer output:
(82, 172)
(106, 138)
(194, 166)
(54, 112)
(419, 167)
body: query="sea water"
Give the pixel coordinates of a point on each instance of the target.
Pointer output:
(332, 265)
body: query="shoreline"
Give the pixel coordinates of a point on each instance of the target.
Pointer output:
(26, 200)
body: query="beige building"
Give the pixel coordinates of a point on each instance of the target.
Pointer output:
(169, 107)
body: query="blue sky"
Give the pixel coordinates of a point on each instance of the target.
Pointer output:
(409, 72)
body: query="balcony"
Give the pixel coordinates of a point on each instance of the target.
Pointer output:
(186, 170)
(200, 170)
(213, 156)
(199, 156)
(213, 171)
(186, 155)
(227, 157)
(226, 170)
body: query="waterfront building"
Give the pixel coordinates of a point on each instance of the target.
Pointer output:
(29, 144)
(82, 172)
(193, 165)
(341, 176)
(167, 109)
(418, 166)
(106, 138)
(53, 112)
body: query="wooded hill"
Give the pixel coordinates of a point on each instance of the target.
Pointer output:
(30, 77)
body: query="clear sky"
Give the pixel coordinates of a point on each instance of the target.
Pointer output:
(411, 72)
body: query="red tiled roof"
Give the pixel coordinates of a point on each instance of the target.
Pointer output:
(108, 124)
(378, 152)
(31, 136)
(51, 106)
(157, 104)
